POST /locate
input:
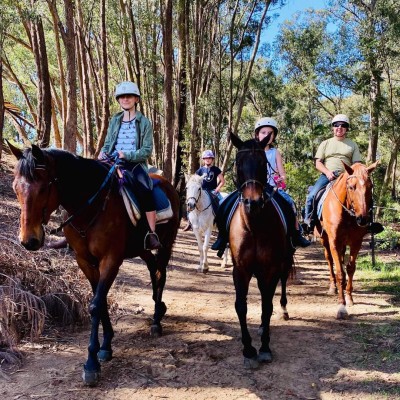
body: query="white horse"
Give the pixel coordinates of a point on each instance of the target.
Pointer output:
(201, 217)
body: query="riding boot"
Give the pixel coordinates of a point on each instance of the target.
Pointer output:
(298, 240)
(188, 227)
(375, 228)
(151, 241)
(221, 220)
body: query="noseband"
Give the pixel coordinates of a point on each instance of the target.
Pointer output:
(196, 200)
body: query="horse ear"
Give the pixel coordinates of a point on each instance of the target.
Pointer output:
(348, 169)
(264, 142)
(373, 166)
(15, 150)
(236, 141)
(38, 154)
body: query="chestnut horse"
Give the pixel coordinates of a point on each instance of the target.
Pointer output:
(346, 214)
(98, 230)
(258, 244)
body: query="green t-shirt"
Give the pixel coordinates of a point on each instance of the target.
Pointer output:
(332, 152)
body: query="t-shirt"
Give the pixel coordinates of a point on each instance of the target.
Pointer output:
(210, 181)
(332, 152)
(126, 140)
(272, 168)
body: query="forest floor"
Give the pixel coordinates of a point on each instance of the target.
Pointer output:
(199, 355)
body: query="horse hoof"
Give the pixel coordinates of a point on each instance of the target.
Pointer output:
(349, 300)
(265, 356)
(332, 290)
(155, 331)
(104, 355)
(285, 316)
(342, 313)
(90, 378)
(250, 363)
(205, 270)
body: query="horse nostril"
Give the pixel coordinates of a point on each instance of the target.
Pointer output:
(32, 244)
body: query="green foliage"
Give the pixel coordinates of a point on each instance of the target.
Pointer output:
(389, 239)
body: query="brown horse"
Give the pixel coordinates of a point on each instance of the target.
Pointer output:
(346, 214)
(258, 245)
(99, 231)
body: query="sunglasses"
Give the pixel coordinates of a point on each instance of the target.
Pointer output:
(339, 125)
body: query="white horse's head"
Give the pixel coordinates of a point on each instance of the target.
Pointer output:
(193, 191)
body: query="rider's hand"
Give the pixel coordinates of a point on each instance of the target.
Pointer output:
(330, 175)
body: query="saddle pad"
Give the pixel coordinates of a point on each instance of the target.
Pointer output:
(163, 206)
(322, 199)
(276, 205)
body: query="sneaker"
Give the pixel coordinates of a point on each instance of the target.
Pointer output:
(375, 228)
(188, 227)
(151, 241)
(298, 240)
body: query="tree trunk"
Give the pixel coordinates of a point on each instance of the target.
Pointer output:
(2, 112)
(71, 119)
(43, 83)
(168, 84)
(182, 89)
(105, 107)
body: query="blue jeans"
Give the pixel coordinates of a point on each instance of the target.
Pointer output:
(322, 181)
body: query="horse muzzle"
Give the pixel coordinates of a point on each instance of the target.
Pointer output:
(33, 243)
(190, 205)
(253, 206)
(363, 221)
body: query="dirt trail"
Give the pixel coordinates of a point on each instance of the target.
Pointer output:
(199, 356)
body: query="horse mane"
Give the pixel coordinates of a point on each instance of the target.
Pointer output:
(67, 166)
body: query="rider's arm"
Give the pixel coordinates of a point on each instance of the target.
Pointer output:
(279, 166)
(221, 182)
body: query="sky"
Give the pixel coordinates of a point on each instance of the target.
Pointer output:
(287, 12)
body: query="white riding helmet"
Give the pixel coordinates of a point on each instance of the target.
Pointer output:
(341, 118)
(126, 88)
(207, 154)
(266, 121)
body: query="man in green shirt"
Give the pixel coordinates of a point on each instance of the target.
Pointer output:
(329, 159)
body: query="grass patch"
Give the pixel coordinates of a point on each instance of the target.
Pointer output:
(383, 278)
(380, 344)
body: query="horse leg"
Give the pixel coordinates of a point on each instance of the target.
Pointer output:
(283, 301)
(328, 256)
(267, 289)
(207, 237)
(157, 266)
(101, 279)
(225, 259)
(241, 279)
(200, 246)
(337, 256)
(351, 269)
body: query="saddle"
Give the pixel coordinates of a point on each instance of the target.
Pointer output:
(163, 206)
(319, 202)
(229, 205)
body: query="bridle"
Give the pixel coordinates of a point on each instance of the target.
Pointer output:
(196, 200)
(351, 210)
(255, 182)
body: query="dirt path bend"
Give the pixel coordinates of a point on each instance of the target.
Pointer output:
(199, 356)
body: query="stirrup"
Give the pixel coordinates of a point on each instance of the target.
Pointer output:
(156, 245)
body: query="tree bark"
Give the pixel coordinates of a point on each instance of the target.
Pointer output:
(168, 84)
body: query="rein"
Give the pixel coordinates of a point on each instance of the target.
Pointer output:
(88, 203)
(197, 200)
